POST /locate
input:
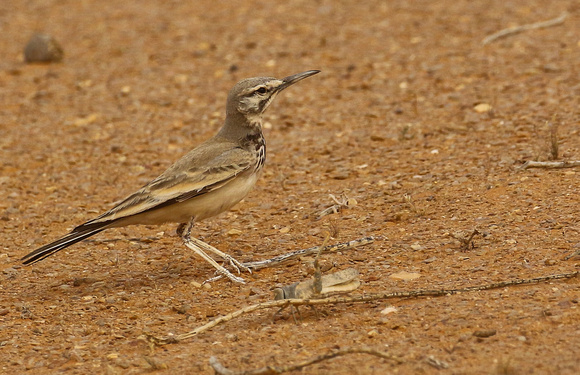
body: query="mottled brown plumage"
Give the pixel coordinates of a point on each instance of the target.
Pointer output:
(208, 180)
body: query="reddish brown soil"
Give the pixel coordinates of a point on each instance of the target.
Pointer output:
(391, 115)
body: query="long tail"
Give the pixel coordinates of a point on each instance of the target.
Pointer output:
(78, 234)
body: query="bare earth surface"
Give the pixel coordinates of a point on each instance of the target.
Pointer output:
(409, 104)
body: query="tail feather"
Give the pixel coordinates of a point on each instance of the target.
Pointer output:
(77, 235)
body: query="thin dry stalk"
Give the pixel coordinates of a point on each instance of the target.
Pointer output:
(352, 299)
(554, 144)
(518, 29)
(550, 164)
(281, 259)
(466, 242)
(270, 370)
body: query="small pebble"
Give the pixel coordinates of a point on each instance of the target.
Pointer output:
(485, 333)
(566, 304)
(182, 309)
(232, 337)
(482, 107)
(388, 310)
(372, 333)
(404, 275)
(10, 271)
(43, 48)
(125, 90)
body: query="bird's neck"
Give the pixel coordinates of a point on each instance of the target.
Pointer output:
(238, 127)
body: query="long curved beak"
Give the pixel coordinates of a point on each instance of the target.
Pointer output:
(290, 80)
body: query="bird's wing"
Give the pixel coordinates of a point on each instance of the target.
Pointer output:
(184, 180)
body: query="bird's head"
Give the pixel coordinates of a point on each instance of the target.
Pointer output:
(252, 96)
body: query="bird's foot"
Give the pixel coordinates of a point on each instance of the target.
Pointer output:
(236, 264)
(224, 272)
(233, 263)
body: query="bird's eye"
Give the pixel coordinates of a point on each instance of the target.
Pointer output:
(261, 90)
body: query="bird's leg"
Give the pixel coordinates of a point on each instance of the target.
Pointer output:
(192, 243)
(180, 229)
(231, 260)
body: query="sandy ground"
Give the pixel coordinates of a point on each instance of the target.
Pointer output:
(409, 104)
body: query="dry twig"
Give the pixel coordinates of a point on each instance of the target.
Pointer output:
(573, 255)
(281, 259)
(269, 370)
(438, 364)
(554, 143)
(340, 203)
(408, 200)
(550, 164)
(310, 251)
(320, 286)
(306, 289)
(518, 29)
(353, 299)
(338, 282)
(466, 242)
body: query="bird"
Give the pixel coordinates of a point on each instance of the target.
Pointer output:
(205, 182)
